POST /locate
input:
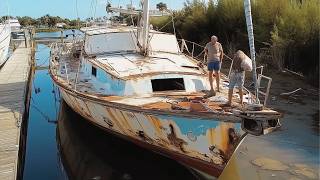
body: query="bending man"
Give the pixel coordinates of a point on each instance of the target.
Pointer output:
(236, 76)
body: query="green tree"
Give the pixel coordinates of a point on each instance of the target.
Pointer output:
(286, 31)
(52, 21)
(161, 6)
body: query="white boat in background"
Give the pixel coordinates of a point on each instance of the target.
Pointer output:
(138, 84)
(5, 36)
(14, 25)
(16, 30)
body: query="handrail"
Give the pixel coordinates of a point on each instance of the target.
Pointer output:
(266, 94)
(65, 66)
(184, 45)
(78, 71)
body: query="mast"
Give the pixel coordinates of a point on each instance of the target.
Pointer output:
(145, 28)
(247, 6)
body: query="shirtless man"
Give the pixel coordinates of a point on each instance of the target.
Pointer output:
(214, 54)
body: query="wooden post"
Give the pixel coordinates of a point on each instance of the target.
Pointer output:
(61, 36)
(25, 38)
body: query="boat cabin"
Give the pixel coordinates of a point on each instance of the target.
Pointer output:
(115, 66)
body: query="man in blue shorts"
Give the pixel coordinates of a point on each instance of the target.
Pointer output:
(214, 54)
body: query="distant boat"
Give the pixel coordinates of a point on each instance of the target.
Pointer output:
(14, 25)
(5, 36)
(16, 30)
(136, 83)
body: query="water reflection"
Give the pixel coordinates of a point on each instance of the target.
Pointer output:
(88, 152)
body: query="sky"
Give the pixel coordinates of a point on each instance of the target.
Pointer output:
(67, 8)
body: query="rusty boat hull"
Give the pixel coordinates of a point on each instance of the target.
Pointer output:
(159, 101)
(204, 145)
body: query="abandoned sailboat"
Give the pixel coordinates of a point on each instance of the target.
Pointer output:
(137, 84)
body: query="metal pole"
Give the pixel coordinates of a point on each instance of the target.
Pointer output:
(247, 6)
(25, 38)
(66, 71)
(145, 33)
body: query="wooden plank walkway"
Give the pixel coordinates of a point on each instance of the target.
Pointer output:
(13, 84)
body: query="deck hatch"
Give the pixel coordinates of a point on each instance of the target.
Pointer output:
(168, 84)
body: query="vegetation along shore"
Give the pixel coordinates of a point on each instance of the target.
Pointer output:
(286, 32)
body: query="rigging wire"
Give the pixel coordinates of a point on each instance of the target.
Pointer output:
(95, 8)
(174, 29)
(119, 3)
(90, 9)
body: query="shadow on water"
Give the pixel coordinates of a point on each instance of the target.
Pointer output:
(62, 145)
(88, 152)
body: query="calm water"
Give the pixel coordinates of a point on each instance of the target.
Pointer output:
(62, 145)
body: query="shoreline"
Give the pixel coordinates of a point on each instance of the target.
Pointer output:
(39, 30)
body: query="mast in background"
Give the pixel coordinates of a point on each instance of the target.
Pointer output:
(144, 22)
(145, 28)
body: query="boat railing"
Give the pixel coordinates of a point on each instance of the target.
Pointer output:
(196, 51)
(267, 89)
(61, 48)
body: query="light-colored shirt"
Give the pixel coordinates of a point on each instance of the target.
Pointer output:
(236, 66)
(214, 51)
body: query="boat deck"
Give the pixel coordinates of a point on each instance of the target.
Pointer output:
(167, 101)
(133, 65)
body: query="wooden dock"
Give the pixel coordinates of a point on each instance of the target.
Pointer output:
(14, 83)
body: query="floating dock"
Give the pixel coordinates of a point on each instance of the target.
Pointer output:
(14, 102)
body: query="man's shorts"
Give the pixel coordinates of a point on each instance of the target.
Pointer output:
(236, 79)
(214, 66)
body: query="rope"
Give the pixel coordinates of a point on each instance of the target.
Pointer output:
(42, 63)
(167, 23)
(42, 113)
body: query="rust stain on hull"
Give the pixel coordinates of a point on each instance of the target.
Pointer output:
(207, 151)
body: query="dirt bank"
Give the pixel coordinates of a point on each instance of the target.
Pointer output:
(293, 151)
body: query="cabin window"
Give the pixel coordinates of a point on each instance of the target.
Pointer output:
(167, 84)
(94, 71)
